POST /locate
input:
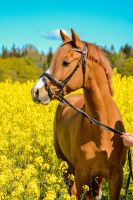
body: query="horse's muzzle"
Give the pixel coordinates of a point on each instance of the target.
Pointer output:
(39, 96)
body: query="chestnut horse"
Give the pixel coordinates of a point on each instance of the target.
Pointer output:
(90, 151)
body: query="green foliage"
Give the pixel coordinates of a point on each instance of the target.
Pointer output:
(48, 59)
(122, 60)
(127, 68)
(118, 59)
(18, 69)
(29, 51)
(127, 50)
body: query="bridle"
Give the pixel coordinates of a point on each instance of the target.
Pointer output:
(60, 85)
(60, 97)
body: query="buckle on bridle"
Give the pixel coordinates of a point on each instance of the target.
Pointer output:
(79, 51)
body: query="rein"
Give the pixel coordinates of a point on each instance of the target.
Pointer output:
(60, 97)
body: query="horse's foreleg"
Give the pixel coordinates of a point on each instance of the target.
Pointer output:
(73, 189)
(81, 179)
(115, 184)
(70, 183)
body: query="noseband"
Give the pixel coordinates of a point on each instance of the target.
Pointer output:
(60, 85)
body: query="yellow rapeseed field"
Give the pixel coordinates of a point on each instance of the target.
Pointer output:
(29, 168)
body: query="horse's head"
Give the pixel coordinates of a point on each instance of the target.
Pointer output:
(66, 72)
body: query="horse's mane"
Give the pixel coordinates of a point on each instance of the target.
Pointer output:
(97, 55)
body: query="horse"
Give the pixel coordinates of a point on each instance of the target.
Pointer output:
(92, 153)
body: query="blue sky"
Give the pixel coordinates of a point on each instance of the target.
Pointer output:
(103, 22)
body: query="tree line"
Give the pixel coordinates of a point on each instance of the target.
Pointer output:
(30, 52)
(122, 59)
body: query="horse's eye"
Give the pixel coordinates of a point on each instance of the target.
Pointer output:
(66, 62)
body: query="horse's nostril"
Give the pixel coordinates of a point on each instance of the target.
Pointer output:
(37, 92)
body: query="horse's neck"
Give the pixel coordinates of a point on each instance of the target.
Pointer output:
(97, 96)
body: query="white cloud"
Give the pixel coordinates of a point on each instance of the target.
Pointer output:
(53, 35)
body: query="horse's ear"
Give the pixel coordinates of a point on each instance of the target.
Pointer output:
(76, 40)
(65, 38)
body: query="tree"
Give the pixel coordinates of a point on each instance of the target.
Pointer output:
(4, 53)
(13, 52)
(49, 56)
(48, 59)
(118, 59)
(127, 50)
(127, 68)
(112, 49)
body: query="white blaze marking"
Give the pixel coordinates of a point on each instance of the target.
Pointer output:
(39, 84)
(49, 69)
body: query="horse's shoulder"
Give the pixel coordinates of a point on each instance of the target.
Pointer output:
(76, 99)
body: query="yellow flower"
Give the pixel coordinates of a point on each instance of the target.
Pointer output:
(2, 180)
(50, 195)
(67, 197)
(71, 177)
(39, 160)
(19, 188)
(63, 166)
(50, 178)
(86, 188)
(18, 173)
(33, 188)
(46, 166)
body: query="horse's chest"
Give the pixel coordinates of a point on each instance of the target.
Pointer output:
(91, 150)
